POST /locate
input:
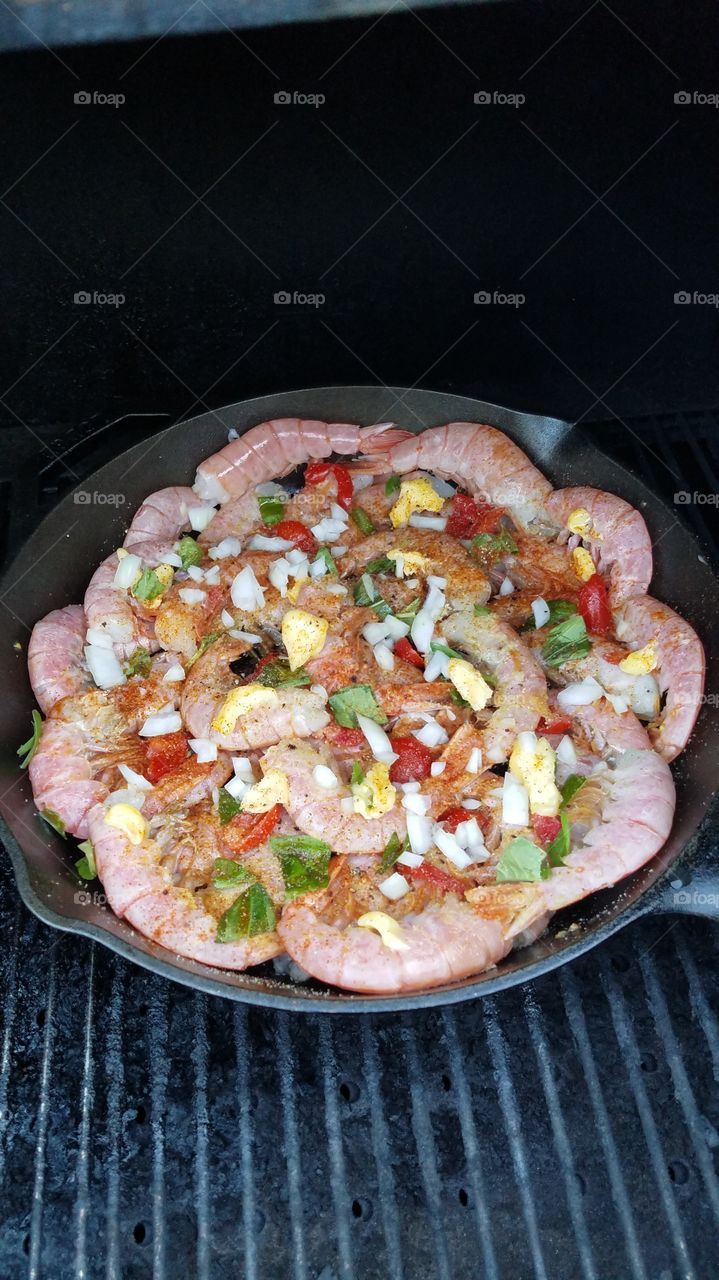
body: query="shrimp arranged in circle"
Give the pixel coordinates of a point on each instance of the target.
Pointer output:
(55, 659)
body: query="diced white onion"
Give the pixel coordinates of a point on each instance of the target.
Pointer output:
(226, 618)
(506, 588)
(135, 779)
(419, 830)
(471, 803)
(329, 530)
(227, 547)
(271, 489)
(644, 697)
(212, 576)
(384, 656)
(515, 802)
(161, 722)
(200, 517)
(438, 665)
(318, 568)
(246, 592)
(368, 587)
(619, 703)
(396, 629)
(437, 767)
(243, 768)
(265, 542)
(203, 749)
(174, 674)
(441, 487)
(398, 564)
(580, 694)
(566, 752)
(249, 636)
(474, 764)
(196, 573)
(172, 558)
(408, 859)
(360, 481)
(320, 690)
(409, 788)
(324, 777)
(339, 551)
(99, 637)
(428, 522)
(237, 787)
(411, 582)
(295, 556)
(451, 848)
(415, 804)
(433, 580)
(347, 804)
(394, 887)
(540, 609)
(379, 743)
(192, 595)
(336, 589)
(127, 570)
(338, 513)
(128, 795)
(431, 735)
(374, 632)
(103, 666)
(279, 575)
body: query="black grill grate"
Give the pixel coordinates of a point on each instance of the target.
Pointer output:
(569, 1129)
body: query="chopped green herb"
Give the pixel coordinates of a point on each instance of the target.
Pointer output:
(29, 748)
(362, 520)
(561, 844)
(325, 554)
(558, 611)
(522, 860)
(357, 775)
(272, 509)
(227, 806)
(189, 551)
(481, 610)
(409, 613)
(139, 663)
(574, 783)
(277, 675)
(392, 850)
(250, 914)
(366, 600)
(567, 641)
(203, 646)
(148, 586)
(53, 820)
(457, 698)
(392, 485)
(382, 564)
(85, 867)
(354, 700)
(437, 647)
(230, 875)
(489, 547)
(304, 862)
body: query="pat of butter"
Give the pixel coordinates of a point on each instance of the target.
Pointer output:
(387, 928)
(127, 819)
(582, 563)
(640, 661)
(242, 702)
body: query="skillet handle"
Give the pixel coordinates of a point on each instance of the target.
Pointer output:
(691, 885)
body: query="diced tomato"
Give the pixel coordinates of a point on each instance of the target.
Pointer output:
(407, 652)
(593, 604)
(432, 875)
(545, 829)
(469, 518)
(344, 739)
(562, 725)
(452, 817)
(247, 830)
(316, 472)
(294, 531)
(414, 760)
(164, 754)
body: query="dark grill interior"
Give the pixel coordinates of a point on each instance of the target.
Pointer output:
(568, 1129)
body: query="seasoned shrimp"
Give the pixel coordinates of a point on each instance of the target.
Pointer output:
(443, 942)
(614, 532)
(680, 667)
(280, 712)
(55, 656)
(162, 516)
(441, 555)
(520, 695)
(62, 777)
(481, 459)
(143, 890)
(115, 610)
(187, 785)
(274, 448)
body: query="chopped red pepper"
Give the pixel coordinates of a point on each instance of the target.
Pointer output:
(407, 652)
(469, 518)
(247, 830)
(414, 760)
(452, 818)
(545, 829)
(593, 604)
(298, 533)
(316, 472)
(562, 725)
(439, 879)
(164, 754)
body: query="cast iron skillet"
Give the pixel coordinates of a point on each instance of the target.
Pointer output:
(55, 565)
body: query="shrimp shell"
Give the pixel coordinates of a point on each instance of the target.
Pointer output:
(162, 516)
(55, 656)
(619, 540)
(113, 610)
(61, 776)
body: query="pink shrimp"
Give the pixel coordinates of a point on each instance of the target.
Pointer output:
(617, 537)
(680, 667)
(115, 611)
(521, 689)
(162, 516)
(62, 777)
(274, 448)
(467, 584)
(481, 459)
(443, 942)
(55, 656)
(142, 890)
(318, 812)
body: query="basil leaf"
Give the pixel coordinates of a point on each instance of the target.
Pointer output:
(357, 775)
(382, 564)
(203, 646)
(304, 862)
(362, 520)
(85, 867)
(567, 641)
(53, 820)
(522, 860)
(558, 611)
(139, 663)
(561, 844)
(272, 509)
(354, 700)
(325, 554)
(574, 783)
(409, 613)
(481, 610)
(277, 675)
(437, 647)
(250, 914)
(392, 850)
(227, 806)
(189, 551)
(230, 875)
(29, 748)
(456, 698)
(374, 601)
(489, 547)
(392, 485)
(148, 586)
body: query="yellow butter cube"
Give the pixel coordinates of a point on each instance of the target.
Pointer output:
(303, 635)
(582, 563)
(469, 683)
(127, 819)
(242, 702)
(640, 661)
(388, 929)
(414, 495)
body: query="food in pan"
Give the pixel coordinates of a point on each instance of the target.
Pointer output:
(386, 718)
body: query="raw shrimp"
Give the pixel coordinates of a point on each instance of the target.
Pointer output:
(481, 459)
(467, 585)
(55, 656)
(62, 777)
(616, 535)
(274, 448)
(180, 626)
(520, 695)
(115, 611)
(287, 712)
(187, 785)
(318, 812)
(143, 890)
(680, 667)
(444, 942)
(162, 515)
